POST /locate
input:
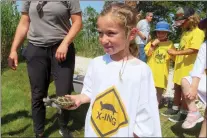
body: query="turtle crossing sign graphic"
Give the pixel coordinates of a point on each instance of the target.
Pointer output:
(108, 110)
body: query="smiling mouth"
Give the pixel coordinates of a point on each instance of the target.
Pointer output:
(107, 47)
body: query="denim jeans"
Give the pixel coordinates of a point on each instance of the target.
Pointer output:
(142, 55)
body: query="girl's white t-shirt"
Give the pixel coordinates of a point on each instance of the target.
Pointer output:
(121, 106)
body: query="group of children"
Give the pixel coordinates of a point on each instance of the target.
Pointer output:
(123, 91)
(159, 52)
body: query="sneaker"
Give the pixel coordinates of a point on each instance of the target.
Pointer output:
(65, 133)
(191, 120)
(169, 112)
(178, 117)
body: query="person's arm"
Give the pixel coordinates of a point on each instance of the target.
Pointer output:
(139, 33)
(195, 83)
(193, 88)
(189, 51)
(150, 47)
(86, 93)
(75, 28)
(147, 123)
(20, 34)
(198, 70)
(21, 31)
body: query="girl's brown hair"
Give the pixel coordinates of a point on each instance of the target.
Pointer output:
(125, 16)
(193, 21)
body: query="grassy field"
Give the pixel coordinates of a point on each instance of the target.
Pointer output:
(16, 111)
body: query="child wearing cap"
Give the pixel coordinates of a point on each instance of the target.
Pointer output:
(194, 85)
(191, 40)
(157, 57)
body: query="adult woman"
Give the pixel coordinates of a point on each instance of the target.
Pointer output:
(50, 51)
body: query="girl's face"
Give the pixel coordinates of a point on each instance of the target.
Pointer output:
(112, 37)
(183, 23)
(161, 35)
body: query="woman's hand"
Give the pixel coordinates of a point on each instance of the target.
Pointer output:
(13, 60)
(61, 52)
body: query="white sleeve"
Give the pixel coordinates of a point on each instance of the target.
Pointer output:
(88, 80)
(147, 123)
(200, 63)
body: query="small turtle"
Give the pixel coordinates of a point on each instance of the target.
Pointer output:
(58, 102)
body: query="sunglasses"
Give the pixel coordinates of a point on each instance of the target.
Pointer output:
(40, 6)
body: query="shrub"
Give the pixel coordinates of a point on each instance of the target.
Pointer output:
(9, 21)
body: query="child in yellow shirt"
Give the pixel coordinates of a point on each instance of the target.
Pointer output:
(191, 39)
(158, 58)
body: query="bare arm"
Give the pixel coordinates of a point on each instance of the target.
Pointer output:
(78, 99)
(20, 34)
(21, 31)
(195, 83)
(84, 98)
(193, 88)
(187, 52)
(182, 52)
(75, 28)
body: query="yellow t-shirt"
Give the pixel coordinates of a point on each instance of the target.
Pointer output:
(158, 61)
(184, 63)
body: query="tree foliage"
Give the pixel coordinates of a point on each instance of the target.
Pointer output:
(9, 21)
(165, 10)
(87, 40)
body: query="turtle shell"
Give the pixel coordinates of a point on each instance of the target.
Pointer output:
(63, 101)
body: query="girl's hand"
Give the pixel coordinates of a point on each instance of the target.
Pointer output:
(76, 99)
(192, 94)
(61, 52)
(155, 42)
(172, 52)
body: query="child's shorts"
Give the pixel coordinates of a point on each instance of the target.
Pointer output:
(201, 87)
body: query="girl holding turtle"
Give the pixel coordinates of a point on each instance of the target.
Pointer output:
(119, 87)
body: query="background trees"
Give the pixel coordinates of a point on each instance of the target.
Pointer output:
(87, 40)
(9, 21)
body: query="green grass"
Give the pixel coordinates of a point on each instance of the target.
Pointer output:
(16, 110)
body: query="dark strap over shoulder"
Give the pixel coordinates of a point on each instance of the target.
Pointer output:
(66, 3)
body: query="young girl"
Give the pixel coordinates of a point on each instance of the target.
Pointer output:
(196, 84)
(119, 86)
(158, 59)
(191, 40)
